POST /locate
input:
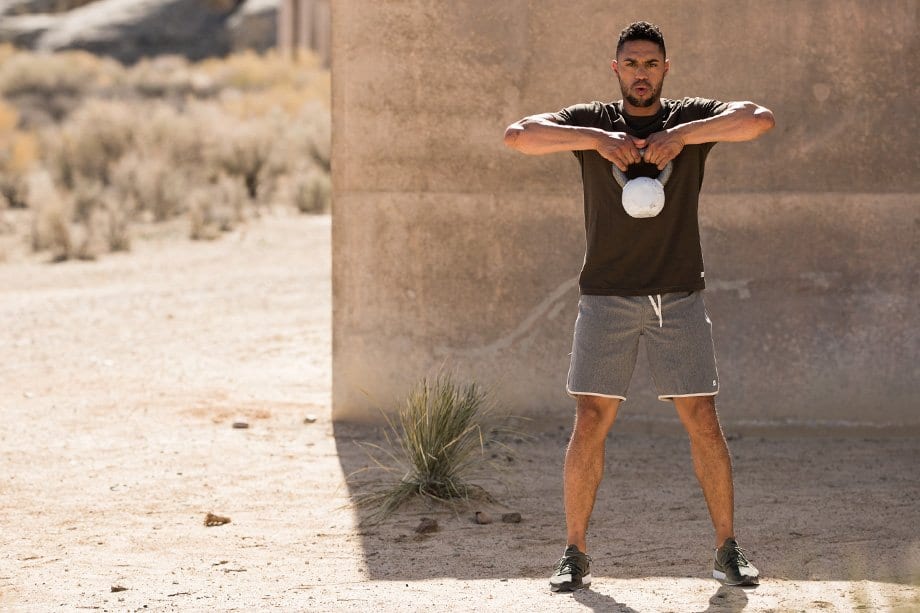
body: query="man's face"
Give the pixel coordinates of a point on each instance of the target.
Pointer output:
(640, 68)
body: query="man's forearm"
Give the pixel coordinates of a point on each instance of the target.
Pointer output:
(537, 135)
(742, 121)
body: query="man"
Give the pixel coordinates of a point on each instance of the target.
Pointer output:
(643, 277)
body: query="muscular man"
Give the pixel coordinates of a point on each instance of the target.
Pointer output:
(643, 277)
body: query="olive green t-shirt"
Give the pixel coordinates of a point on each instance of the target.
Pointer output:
(626, 256)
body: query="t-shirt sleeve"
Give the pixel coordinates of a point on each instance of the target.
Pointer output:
(704, 108)
(585, 115)
(582, 115)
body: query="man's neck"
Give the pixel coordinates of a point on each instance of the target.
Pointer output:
(641, 111)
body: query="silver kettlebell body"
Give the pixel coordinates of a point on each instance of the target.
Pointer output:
(643, 196)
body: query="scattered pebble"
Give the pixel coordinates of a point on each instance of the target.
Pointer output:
(427, 526)
(215, 520)
(483, 518)
(511, 518)
(240, 425)
(310, 419)
(119, 588)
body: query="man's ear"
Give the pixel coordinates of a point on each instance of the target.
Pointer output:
(667, 65)
(613, 65)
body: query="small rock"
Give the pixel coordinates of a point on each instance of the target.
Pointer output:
(240, 425)
(483, 518)
(309, 419)
(427, 526)
(215, 520)
(511, 518)
(119, 588)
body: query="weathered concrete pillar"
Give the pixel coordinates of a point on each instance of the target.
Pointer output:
(451, 250)
(305, 24)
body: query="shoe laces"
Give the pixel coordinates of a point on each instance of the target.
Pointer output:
(736, 556)
(571, 564)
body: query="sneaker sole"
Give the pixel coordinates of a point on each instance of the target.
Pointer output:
(717, 574)
(570, 586)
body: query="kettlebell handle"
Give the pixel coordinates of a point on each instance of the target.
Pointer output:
(663, 176)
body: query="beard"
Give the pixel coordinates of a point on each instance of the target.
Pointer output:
(654, 93)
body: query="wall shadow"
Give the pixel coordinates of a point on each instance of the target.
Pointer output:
(815, 508)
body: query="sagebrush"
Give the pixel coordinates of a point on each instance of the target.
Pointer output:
(216, 141)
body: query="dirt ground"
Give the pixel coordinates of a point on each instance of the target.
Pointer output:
(120, 382)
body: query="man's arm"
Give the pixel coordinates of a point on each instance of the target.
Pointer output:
(741, 121)
(539, 134)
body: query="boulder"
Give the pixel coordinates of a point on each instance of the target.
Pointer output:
(132, 29)
(31, 7)
(254, 25)
(25, 30)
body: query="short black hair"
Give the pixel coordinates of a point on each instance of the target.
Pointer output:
(641, 30)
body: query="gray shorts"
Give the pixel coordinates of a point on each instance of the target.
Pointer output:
(678, 341)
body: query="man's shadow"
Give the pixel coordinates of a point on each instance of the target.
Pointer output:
(728, 600)
(725, 600)
(599, 602)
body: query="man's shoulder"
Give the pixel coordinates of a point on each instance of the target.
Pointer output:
(591, 113)
(694, 107)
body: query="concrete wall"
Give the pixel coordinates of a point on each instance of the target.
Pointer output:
(451, 250)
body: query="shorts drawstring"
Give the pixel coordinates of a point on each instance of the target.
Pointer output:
(657, 307)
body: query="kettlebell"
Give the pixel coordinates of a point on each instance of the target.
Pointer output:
(643, 196)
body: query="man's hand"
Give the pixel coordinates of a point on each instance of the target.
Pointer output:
(619, 148)
(663, 147)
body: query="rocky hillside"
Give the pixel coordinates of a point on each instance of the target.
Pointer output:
(129, 30)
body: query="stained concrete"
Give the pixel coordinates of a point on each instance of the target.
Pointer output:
(451, 251)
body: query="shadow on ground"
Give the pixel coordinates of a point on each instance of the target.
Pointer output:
(824, 507)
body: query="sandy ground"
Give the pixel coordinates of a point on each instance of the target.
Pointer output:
(120, 381)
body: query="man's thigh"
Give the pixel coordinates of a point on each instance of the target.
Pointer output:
(680, 349)
(605, 345)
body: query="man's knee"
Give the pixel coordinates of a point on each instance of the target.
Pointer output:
(699, 416)
(593, 411)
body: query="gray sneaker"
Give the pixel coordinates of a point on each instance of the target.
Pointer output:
(732, 568)
(572, 572)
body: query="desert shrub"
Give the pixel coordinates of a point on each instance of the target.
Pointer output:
(112, 221)
(18, 154)
(434, 445)
(89, 144)
(51, 220)
(160, 139)
(152, 183)
(251, 71)
(311, 191)
(106, 215)
(168, 76)
(244, 150)
(217, 207)
(48, 86)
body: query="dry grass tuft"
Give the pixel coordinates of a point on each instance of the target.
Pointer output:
(434, 446)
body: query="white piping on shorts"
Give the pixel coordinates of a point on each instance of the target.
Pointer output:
(657, 308)
(666, 397)
(571, 393)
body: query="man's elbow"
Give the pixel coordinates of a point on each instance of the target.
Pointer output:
(764, 118)
(760, 117)
(512, 134)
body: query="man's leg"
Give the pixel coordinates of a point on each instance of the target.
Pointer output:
(584, 462)
(711, 460)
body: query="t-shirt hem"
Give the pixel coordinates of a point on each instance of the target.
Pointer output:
(690, 287)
